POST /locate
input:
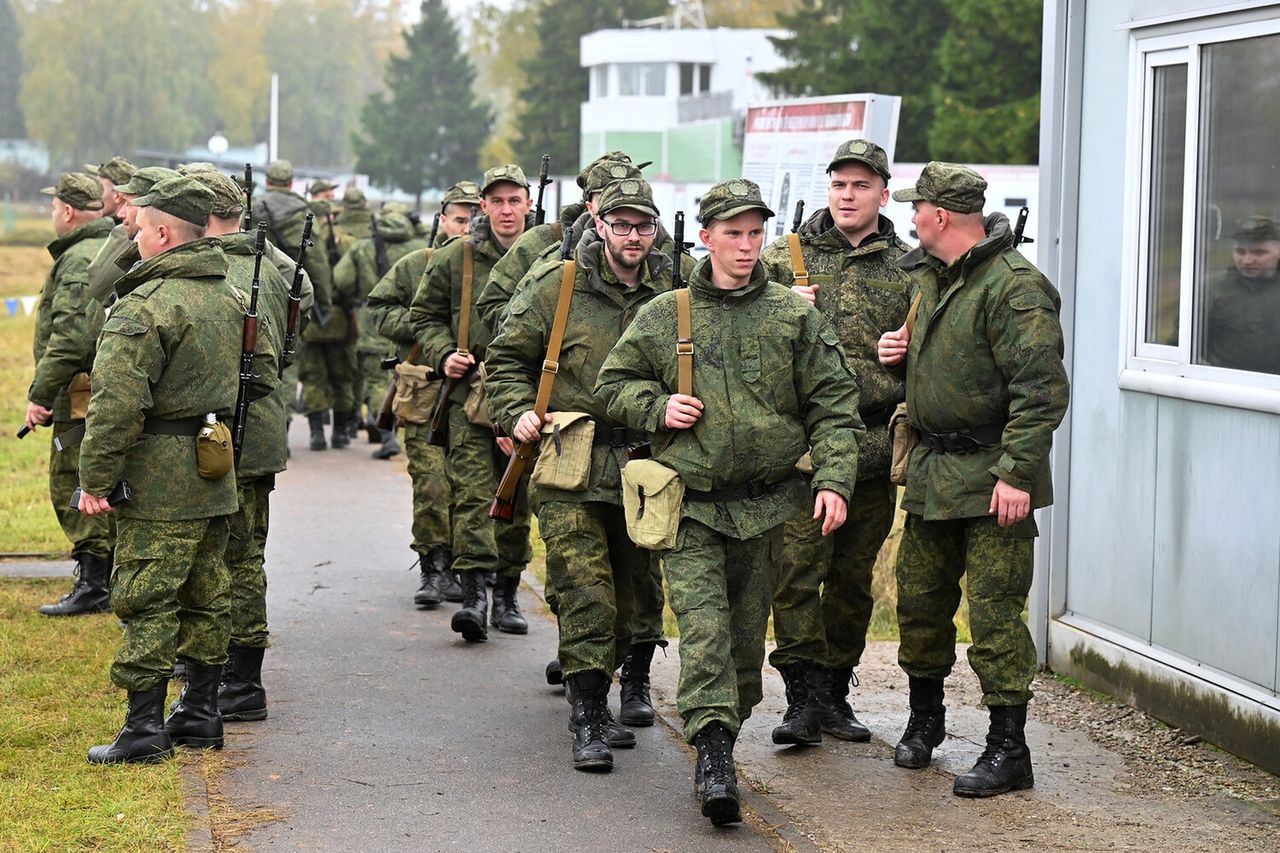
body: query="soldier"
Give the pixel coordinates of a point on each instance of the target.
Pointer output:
(119, 252)
(168, 359)
(822, 600)
(985, 390)
(472, 459)
(66, 335)
(389, 303)
(591, 562)
(769, 383)
(112, 174)
(351, 226)
(1244, 301)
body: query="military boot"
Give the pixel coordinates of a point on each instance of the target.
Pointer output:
(390, 443)
(196, 721)
(715, 782)
(315, 420)
(340, 437)
(802, 723)
(443, 557)
(89, 594)
(143, 739)
(591, 750)
(555, 672)
(1005, 765)
(838, 719)
(633, 684)
(926, 727)
(470, 620)
(240, 695)
(506, 616)
(431, 592)
(615, 734)
(354, 424)
(372, 432)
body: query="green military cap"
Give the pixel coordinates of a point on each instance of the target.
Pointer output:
(183, 197)
(1256, 229)
(463, 192)
(398, 207)
(353, 199)
(196, 166)
(949, 186)
(117, 170)
(511, 173)
(727, 199)
(81, 191)
(280, 172)
(861, 151)
(320, 185)
(228, 198)
(604, 173)
(634, 193)
(609, 157)
(144, 179)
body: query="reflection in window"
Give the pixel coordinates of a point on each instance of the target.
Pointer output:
(642, 78)
(1168, 156)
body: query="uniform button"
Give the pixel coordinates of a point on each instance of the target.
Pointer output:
(724, 305)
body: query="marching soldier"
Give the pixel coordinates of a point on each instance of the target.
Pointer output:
(112, 174)
(119, 252)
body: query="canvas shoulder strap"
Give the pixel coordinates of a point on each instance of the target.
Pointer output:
(798, 269)
(464, 309)
(551, 364)
(684, 343)
(911, 314)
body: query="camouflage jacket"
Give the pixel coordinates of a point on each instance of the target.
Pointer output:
(389, 301)
(106, 267)
(350, 225)
(773, 381)
(601, 309)
(986, 350)
(862, 293)
(1239, 330)
(519, 259)
(357, 273)
(284, 212)
(170, 350)
(68, 319)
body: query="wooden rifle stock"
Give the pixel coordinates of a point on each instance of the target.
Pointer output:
(438, 426)
(295, 294)
(248, 345)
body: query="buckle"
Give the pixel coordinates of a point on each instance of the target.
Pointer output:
(549, 366)
(684, 346)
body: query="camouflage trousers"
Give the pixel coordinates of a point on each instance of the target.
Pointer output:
(473, 465)
(89, 535)
(822, 600)
(371, 383)
(328, 372)
(171, 588)
(998, 562)
(431, 494)
(246, 544)
(720, 591)
(597, 572)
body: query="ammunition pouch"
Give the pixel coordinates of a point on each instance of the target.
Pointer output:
(79, 392)
(564, 454)
(652, 497)
(476, 406)
(417, 389)
(902, 440)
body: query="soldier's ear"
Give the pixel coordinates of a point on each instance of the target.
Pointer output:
(705, 236)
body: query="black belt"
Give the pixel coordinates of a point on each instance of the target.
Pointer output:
(963, 440)
(747, 491)
(172, 426)
(877, 417)
(618, 436)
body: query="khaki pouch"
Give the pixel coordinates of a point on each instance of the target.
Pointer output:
(417, 389)
(652, 495)
(805, 464)
(214, 454)
(476, 407)
(564, 454)
(902, 440)
(79, 392)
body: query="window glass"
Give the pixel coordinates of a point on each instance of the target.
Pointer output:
(600, 81)
(686, 78)
(704, 82)
(642, 78)
(1164, 229)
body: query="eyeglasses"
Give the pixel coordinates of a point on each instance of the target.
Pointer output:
(622, 229)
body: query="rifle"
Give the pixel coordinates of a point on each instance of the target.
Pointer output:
(331, 242)
(22, 433)
(248, 201)
(798, 220)
(248, 344)
(435, 229)
(503, 507)
(438, 426)
(295, 292)
(1018, 239)
(540, 215)
(677, 252)
(380, 260)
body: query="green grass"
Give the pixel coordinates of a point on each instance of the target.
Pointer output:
(56, 700)
(30, 226)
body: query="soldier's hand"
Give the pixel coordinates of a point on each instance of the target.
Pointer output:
(38, 415)
(457, 365)
(683, 411)
(528, 429)
(1009, 504)
(505, 444)
(831, 508)
(809, 292)
(89, 505)
(893, 346)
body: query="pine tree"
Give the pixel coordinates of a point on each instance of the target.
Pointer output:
(426, 131)
(11, 123)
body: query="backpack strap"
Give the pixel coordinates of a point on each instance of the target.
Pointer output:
(551, 364)
(684, 343)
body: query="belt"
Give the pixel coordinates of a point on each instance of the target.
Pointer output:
(963, 441)
(747, 491)
(172, 426)
(876, 417)
(618, 437)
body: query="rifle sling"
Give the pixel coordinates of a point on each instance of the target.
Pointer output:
(684, 343)
(551, 364)
(910, 324)
(798, 269)
(464, 309)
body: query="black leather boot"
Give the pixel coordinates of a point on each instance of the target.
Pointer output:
(1005, 765)
(506, 616)
(838, 719)
(715, 780)
(431, 591)
(452, 586)
(315, 420)
(390, 443)
(591, 750)
(196, 721)
(616, 735)
(89, 594)
(470, 620)
(354, 424)
(802, 723)
(926, 727)
(633, 684)
(555, 672)
(340, 436)
(143, 739)
(240, 695)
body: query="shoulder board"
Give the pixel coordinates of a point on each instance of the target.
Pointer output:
(147, 288)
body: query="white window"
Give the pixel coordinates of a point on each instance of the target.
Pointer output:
(642, 78)
(599, 82)
(1203, 216)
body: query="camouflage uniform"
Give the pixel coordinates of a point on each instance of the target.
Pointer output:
(534, 244)
(120, 252)
(1242, 310)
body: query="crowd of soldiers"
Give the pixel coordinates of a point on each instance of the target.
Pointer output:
(743, 401)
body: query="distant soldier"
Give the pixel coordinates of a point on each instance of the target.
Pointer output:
(119, 252)
(352, 222)
(1244, 301)
(112, 174)
(67, 324)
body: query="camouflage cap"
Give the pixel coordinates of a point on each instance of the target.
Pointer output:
(144, 179)
(727, 199)
(117, 170)
(608, 157)
(1256, 229)
(634, 193)
(605, 173)
(861, 151)
(396, 207)
(280, 172)
(228, 198)
(511, 173)
(949, 186)
(183, 197)
(353, 199)
(321, 185)
(81, 191)
(463, 192)
(196, 166)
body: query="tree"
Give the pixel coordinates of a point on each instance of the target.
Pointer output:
(11, 123)
(426, 131)
(502, 42)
